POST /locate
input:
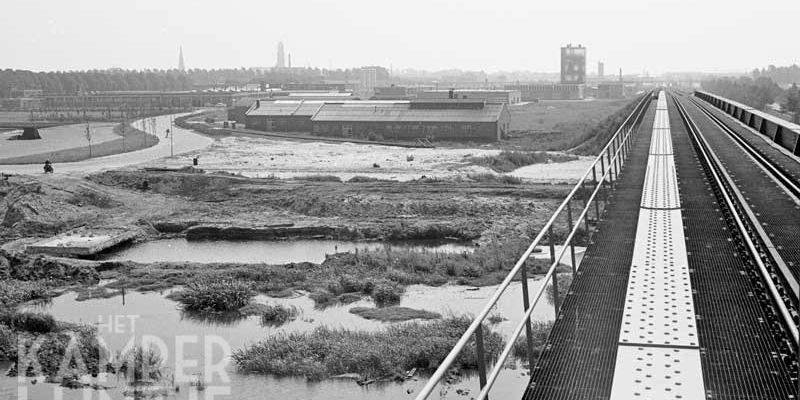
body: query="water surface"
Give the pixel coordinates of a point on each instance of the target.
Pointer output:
(270, 252)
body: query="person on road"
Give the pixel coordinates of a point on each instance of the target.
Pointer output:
(48, 167)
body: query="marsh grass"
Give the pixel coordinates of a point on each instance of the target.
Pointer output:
(318, 178)
(508, 160)
(29, 321)
(275, 315)
(140, 364)
(13, 291)
(325, 351)
(495, 178)
(393, 314)
(564, 282)
(212, 295)
(540, 332)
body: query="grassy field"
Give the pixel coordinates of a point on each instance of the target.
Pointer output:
(556, 125)
(134, 140)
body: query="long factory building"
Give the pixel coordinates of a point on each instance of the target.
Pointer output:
(435, 120)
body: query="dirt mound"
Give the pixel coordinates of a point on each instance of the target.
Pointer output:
(199, 186)
(27, 208)
(25, 267)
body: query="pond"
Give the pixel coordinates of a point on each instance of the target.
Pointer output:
(155, 318)
(270, 252)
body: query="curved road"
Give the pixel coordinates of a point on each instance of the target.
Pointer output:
(183, 141)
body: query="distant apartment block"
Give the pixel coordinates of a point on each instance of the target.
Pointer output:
(573, 64)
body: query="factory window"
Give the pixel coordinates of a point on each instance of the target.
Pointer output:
(467, 130)
(347, 130)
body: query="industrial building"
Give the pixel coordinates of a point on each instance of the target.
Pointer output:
(573, 64)
(435, 120)
(452, 120)
(391, 93)
(492, 96)
(610, 90)
(548, 91)
(369, 79)
(282, 115)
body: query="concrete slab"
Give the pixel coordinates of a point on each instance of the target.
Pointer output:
(81, 243)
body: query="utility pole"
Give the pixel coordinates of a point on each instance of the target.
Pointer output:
(89, 138)
(170, 133)
(124, 121)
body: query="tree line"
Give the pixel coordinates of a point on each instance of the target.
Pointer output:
(781, 75)
(756, 93)
(71, 82)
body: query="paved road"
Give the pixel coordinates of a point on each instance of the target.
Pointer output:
(184, 141)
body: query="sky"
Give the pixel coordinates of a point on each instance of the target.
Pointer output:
(653, 36)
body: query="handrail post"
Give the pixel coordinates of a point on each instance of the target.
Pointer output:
(596, 201)
(602, 168)
(523, 274)
(555, 272)
(480, 353)
(571, 242)
(610, 171)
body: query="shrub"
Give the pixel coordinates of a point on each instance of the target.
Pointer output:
(351, 283)
(139, 364)
(385, 293)
(215, 295)
(8, 343)
(29, 321)
(322, 297)
(278, 314)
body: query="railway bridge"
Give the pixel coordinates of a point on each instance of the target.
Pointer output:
(688, 287)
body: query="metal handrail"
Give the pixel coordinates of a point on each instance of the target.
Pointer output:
(621, 146)
(507, 350)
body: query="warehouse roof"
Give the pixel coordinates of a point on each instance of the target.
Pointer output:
(403, 112)
(306, 108)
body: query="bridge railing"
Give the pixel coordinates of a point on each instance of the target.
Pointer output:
(599, 178)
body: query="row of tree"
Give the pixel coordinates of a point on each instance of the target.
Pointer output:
(782, 75)
(71, 82)
(756, 93)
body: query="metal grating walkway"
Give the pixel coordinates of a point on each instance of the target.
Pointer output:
(662, 306)
(578, 361)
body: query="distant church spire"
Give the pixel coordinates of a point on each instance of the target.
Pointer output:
(281, 63)
(181, 64)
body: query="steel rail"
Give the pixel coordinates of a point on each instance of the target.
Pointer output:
(627, 127)
(791, 187)
(714, 164)
(780, 263)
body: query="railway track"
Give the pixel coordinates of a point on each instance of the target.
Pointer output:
(783, 177)
(775, 285)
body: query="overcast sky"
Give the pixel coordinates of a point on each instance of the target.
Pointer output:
(491, 35)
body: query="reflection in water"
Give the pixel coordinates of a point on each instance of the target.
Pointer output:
(269, 252)
(206, 340)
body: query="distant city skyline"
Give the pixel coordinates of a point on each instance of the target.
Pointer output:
(512, 36)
